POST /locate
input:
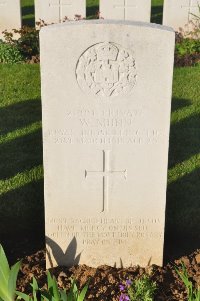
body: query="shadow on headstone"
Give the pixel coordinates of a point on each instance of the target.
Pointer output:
(63, 258)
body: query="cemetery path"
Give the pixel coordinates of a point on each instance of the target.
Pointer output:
(105, 280)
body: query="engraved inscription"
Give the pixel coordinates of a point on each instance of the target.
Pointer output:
(87, 126)
(105, 174)
(106, 70)
(105, 231)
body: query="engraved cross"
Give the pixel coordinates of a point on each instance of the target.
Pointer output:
(105, 173)
(60, 6)
(125, 7)
(190, 7)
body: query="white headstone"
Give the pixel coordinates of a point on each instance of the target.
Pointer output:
(179, 14)
(10, 15)
(135, 10)
(106, 96)
(55, 11)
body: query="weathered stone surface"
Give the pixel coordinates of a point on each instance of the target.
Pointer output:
(10, 15)
(179, 14)
(55, 11)
(106, 96)
(135, 10)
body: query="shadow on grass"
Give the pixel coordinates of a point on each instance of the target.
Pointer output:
(178, 104)
(184, 140)
(157, 14)
(24, 151)
(21, 154)
(19, 115)
(21, 209)
(182, 235)
(28, 13)
(92, 12)
(22, 220)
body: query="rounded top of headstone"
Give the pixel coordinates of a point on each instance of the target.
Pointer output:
(108, 22)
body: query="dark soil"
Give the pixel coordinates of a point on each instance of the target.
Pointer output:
(105, 280)
(187, 60)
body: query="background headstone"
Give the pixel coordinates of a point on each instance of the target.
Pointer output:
(106, 97)
(135, 10)
(179, 14)
(54, 11)
(10, 15)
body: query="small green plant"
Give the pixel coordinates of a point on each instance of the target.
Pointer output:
(187, 46)
(53, 293)
(27, 42)
(193, 293)
(35, 296)
(10, 54)
(142, 289)
(8, 278)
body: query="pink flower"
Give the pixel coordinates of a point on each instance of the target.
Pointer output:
(124, 297)
(128, 282)
(121, 287)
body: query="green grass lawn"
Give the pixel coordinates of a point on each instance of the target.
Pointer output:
(92, 9)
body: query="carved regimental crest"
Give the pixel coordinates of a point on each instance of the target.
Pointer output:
(107, 70)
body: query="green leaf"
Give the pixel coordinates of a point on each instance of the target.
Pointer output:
(81, 297)
(35, 285)
(63, 295)
(12, 279)
(4, 266)
(74, 289)
(45, 295)
(55, 290)
(70, 295)
(50, 283)
(49, 280)
(4, 276)
(23, 296)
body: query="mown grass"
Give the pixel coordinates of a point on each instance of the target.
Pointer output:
(92, 10)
